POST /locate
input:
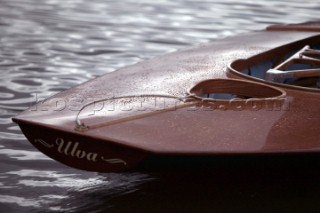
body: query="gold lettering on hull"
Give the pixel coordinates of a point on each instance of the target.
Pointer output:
(43, 143)
(72, 149)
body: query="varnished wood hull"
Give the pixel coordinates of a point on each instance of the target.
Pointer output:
(279, 119)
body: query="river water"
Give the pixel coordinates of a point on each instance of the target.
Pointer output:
(51, 45)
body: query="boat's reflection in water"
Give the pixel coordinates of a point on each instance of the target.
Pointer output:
(237, 184)
(256, 183)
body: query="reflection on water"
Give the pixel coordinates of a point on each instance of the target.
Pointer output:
(48, 46)
(53, 189)
(47, 189)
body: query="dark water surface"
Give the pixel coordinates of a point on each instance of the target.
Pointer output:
(51, 45)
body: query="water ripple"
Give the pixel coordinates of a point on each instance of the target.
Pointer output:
(23, 155)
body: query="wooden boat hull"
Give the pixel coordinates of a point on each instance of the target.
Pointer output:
(277, 119)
